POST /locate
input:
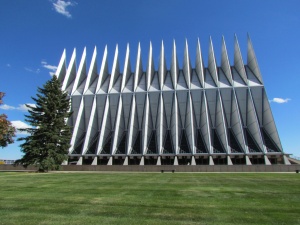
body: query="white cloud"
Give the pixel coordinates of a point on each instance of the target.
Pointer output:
(18, 124)
(280, 100)
(8, 65)
(28, 69)
(31, 70)
(52, 74)
(49, 67)
(7, 107)
(60, 7)
(21, 107)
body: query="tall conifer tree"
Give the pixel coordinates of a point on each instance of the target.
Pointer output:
(47, 145)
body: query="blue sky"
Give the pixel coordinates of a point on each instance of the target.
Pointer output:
(34, 33)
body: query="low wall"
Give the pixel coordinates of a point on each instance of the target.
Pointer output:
(4, 167)
(153, 168)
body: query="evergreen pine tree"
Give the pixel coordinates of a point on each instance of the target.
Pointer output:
(47, 145)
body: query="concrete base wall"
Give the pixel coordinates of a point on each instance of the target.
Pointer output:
(178, 168)
(5, 167)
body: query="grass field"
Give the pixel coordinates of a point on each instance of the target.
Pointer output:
(149, 198)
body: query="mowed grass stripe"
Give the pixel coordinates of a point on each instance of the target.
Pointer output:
(149, 198)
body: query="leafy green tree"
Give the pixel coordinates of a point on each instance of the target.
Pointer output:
(7, 131)
(48, 141)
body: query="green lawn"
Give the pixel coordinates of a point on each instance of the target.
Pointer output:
(149, 198)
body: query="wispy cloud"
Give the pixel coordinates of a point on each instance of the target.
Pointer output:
(32, 70)
(21, 107)
(49, 67)
(8, 65)
(7, 107)
(61, 6)
(280, 100)
(18, 124)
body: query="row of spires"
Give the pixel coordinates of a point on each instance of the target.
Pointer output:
(67, 76)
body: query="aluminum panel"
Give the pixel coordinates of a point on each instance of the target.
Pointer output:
(119, 128)
(133, 126)
(75, 104)
(61, 69)
(181, 85)
(92, 88)
(71, 72)
(92, 126)
(236, 123)
(117, 85)
(252, 61)
(212, 65)
(126, 100)
(127, 69)
(209, 81)
(103, 71)
(221, 127)
(114, 103)
(196, 96)
(154, 83)
(195, 83)
(115, 70)
(139, 68)
(162, 67)
(81, 73)
(252, 80)
(147, 126)
(182, 99)
(257, 95)
(106, 127)
(190, 126)
(168, 105)
(199, 64)
(187, 65)
(92, 74)
(101, 102)
(140, 106)
(252, 123)
(79, 127)
(225, 65)
(241, 95)
(150, 68)
(237, 79)
(142, 84)
(129, 84)
(238, 61)
(88, 103)
(174, 66)
(168, 84)
(204, 123)
(226, 95)
(269, 123)
(211, 96)
(154, 103)
(161, 124)
(223, 81)
(175, 125)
